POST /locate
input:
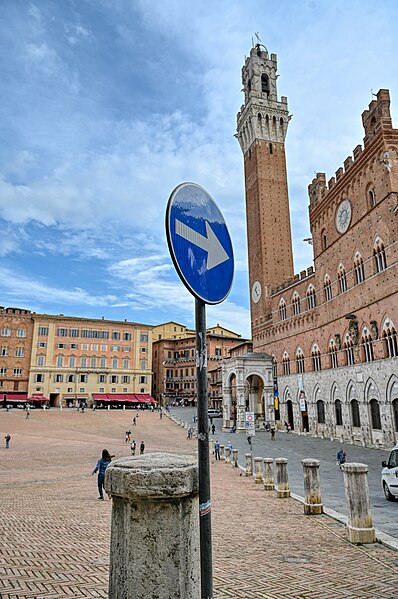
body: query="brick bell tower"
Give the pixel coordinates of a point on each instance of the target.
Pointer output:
(261, 130)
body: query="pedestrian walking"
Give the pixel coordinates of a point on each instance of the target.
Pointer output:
(134, 421)
(142, 447)
(272, 434)
(126, 436)
(213, 428)
(7, 438)
(129, 435)
(229, 445)
(27, 414)
(160, 414)
(341, 457)
(100, 467)
(217, 450)
(133, 447)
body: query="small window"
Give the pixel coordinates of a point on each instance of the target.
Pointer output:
(265, 84)
(324, 240)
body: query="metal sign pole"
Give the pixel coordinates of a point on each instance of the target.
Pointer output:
(206, 574)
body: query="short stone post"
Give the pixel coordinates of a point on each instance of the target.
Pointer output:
(359, 525)
(258, 470)
(249, 467)
(234, 460)
(222, 453)
(155, 527)
(227, 455)
(282, 480)
(269, 484)
(312, 487)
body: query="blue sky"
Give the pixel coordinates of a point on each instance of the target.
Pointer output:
(107, 105)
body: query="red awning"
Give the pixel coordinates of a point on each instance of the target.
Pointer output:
(119, 397)
(37, 398)
(145, 398)
(17, 397)
(2, 396)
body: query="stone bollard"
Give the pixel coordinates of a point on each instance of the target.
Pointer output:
(222, 453)
(359, 525)
(258, 469)
(227, 455)
(234, 460)
(249, 467)
(155, 527)
(312, 487)
(282, 481)
(269, 484)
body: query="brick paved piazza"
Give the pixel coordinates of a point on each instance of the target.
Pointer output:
(54, 533)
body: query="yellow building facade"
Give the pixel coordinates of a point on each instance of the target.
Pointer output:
(73, 358)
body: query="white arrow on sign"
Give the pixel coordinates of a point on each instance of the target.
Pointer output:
(211, 244)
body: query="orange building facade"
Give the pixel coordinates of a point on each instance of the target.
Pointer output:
(331, 330)
(16, 333)
(174, 366)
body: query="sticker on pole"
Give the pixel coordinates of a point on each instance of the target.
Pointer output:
(199, 243)
(250, 424)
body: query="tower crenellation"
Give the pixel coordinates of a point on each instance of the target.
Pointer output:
(262, 116)
(377, 118)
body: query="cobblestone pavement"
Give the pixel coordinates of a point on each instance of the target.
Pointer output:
(54, 533)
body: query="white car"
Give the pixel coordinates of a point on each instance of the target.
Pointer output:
(389, 475)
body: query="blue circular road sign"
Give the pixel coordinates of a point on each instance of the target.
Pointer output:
(199, 243)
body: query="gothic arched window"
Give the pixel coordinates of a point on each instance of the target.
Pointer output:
(316, 359)
(311, 299)
(320, 410)
(296, 304)
(328, 288)
(338, 412)
(300, 362)
(333, 355)
(379, 255)
(355, 418)
(349, 351)
(282, 309)
(375, 414)
(359, 269)
(286, 364)
(367, 344)
(390, 340)
(342, 278)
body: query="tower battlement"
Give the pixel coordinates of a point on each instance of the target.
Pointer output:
(377, 118)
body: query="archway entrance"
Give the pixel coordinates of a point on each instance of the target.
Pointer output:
(290, 418)
(233, 411)
(254, 393)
